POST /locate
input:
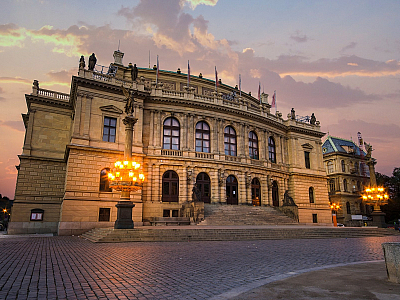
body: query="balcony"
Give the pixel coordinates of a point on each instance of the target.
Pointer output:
(168, 152)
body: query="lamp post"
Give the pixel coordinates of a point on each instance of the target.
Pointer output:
(126, 175)
(334, 207)
(375, 195)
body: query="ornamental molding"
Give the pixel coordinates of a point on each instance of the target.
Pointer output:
(111, 109)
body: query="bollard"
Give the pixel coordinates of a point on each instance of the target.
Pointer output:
(391, 252)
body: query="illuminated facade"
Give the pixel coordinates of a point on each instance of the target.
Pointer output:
(231, 145)
(347, 173)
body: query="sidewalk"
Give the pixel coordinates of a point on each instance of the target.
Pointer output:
(355, 281)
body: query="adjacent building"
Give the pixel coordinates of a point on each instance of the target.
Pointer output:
(225, 140)
(347, 175)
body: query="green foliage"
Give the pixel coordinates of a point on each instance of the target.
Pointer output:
(392, 183)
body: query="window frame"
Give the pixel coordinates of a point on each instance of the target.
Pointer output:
(103, 215)
(271, 149)
(108, 126)
(228, 145)
(253, 145)
(104, 178)
(173, 129)
(201, 131)
(307, 159)
(311, 195)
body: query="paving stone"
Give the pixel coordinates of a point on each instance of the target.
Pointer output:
(74, 268)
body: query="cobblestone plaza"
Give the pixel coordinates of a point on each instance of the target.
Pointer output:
(74, 268)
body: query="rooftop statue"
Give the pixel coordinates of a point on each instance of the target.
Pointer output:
(313, 119)
(129, 109)
(134, 72)
(82, 62)
(92, 62)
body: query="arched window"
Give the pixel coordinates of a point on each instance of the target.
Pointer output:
(358, 186)
(332, 185)
(330, 167)
(343, 166)
(345, 185)
(170, 184)
(253, 145)
(271, 149)
(171, 134)
(348, 208)
(104, 183)
(230, 141)
(311, 194)
(202, 137)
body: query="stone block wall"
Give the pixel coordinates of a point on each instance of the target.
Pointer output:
(40, 185)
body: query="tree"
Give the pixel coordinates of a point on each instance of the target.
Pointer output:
(392, 183)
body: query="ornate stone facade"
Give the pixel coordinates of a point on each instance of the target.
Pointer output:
(348, 173)
(236, 150)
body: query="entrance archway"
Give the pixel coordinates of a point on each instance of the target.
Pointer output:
(256, 192)
(204, 185)
(275, 194)
(232, 190)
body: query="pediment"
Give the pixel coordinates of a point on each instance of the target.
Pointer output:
(307, 146)
(111, 109)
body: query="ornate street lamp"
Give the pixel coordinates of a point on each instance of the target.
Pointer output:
(334, 208)
(375, 195)
(126, 175)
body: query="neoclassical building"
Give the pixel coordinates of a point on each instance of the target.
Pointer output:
(230, 144)
(347, 175)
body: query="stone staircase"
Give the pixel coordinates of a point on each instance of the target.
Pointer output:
(229, 233)
(233, 215)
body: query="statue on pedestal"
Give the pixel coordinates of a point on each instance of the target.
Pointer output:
(129, 106)
(313, 119)
(92, 62)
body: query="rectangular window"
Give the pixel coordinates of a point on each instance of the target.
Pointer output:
(36, 216)
(166, 213)
(104, 214)
(314, 218)
(175, 213)
(307, 159)
(110, 129)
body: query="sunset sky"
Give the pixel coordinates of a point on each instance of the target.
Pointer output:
(338, 59)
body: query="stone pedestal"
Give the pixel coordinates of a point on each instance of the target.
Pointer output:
(391, 252)
(378, 219)
(124, 215)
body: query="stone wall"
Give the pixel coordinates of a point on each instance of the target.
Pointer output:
(40, 185)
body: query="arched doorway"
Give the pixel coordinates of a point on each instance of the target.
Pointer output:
(170, 184)
(204, 185)
(256, 192)
(275, 194)
(232, 190)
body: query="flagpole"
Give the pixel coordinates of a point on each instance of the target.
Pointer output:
(188, 79)
(157, 73)
(240, 85)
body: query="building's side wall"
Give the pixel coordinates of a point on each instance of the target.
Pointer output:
(40, 185)
(41, 175)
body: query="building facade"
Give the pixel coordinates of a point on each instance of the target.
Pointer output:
(347, 175)
(227, 142)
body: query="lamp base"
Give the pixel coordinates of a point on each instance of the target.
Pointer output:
(378, 219)
(124, 215)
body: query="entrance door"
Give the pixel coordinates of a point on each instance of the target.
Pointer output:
(204, 185)
(275, 194)
(231, 190)
(255, 192)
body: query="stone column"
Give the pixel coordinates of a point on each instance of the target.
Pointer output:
(124, 206)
